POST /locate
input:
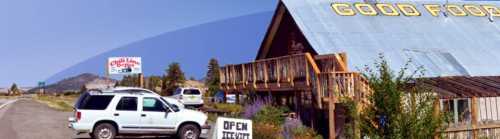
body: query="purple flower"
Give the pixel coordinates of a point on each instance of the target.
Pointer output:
(290, 124)
(255, 106)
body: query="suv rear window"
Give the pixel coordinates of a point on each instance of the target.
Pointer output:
(93, 102)
(191, 92)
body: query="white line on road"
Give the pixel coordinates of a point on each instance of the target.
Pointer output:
(9, 102)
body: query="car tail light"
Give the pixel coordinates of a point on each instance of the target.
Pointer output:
(78, 115)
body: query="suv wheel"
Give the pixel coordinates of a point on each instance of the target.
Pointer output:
(189, 131)
(104, 131)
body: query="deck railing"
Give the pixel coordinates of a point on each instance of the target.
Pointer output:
(344, 84)
(489, 131)
(295, 71)
(278, 70)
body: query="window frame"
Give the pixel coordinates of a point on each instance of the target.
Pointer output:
(83, 103)
(123, 97)
(166, 107)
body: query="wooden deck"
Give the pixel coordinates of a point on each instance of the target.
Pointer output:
(296, 72)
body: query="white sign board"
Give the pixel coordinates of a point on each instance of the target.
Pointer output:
(230, 128)
(124, 65)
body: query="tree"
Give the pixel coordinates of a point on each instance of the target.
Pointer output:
(83, 89)
(174, 78)
(400, 106)
(14, 90)
(153, 82)
(212, 78)
(130, 80)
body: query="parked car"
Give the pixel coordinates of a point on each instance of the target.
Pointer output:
(104, 114)
(190, 97)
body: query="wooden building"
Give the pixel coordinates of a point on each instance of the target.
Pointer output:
(311, 52)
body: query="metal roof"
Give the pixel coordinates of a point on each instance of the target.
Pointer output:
(464, 87)
(444, 46)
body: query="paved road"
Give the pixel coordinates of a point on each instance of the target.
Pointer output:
(28, 119)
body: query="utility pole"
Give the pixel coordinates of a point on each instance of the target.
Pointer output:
(141, 80)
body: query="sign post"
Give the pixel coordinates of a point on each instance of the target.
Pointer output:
(126, 66)
(41, 85)
(231, 128)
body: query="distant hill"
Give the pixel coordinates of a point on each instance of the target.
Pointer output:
(233, 40)
(75, 83)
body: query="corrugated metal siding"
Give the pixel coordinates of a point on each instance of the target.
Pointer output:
(444, 46)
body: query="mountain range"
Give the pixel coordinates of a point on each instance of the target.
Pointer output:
(74, 84)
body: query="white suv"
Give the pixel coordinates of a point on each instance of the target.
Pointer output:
(105, 114)
(189, 96)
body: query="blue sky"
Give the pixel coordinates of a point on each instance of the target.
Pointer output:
(42, 37)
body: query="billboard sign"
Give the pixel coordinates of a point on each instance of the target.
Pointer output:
(124, 65)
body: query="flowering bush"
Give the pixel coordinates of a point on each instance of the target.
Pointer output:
(255, 106)
(290, 124)
(293, 129)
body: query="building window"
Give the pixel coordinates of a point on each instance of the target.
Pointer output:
(457, 109)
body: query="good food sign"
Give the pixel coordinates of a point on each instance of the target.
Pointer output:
(124, 65)
(230, 128)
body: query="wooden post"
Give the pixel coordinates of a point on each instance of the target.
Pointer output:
(436, 114)
(343, 55)
(474, 117)
(266, 78)
(254, 75)
(243, 73)
(357, 130)
(141, 80)
(319, 93)
(307, 72)
(237, 97)
(331, 117)
(278, 72)
(225, 97)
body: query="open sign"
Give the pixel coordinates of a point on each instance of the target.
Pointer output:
(230, 128)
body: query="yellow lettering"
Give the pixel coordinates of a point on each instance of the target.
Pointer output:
(434, 9)
(490, 9)
(455, 10)
(343, 9)
(474, 10)
(387, 9)
(365, 9)
(408, 9)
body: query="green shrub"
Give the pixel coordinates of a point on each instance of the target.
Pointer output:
(303, 132)
(266, 131)
(271, 115)
(231, 109)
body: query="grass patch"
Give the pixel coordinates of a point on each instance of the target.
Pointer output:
(7, 97)
(60, 103)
